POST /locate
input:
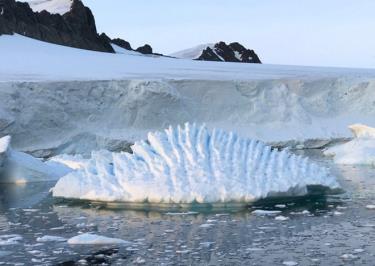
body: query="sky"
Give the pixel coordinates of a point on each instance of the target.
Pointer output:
(291, 32)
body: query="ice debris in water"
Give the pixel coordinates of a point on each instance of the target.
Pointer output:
(193, 164)
(360, 150)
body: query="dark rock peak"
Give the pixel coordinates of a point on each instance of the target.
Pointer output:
(122, 43)
(75, 28)
(145, 49)
(209, 55)
(234, 52)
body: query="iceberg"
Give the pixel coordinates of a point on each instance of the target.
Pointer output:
(193, 164)
(360, 150)
(19, 167)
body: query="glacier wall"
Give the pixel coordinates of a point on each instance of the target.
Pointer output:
(48, 118)
(193, 164)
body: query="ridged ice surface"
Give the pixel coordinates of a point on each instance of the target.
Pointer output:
(193, 164)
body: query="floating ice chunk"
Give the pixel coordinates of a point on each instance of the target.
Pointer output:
(21, 167)
(92, 239)
(193, 164)
(50, 239)
(6, 240)
(281, 218)
(265, 212)
(349, 256)
(290, 263)
(370, 207)
(360, 150)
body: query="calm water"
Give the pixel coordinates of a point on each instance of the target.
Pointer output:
(333, 230)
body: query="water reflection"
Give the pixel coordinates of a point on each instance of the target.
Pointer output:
(316, 230)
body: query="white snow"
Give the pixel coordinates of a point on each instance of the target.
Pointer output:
(193, 52)
(120, 50)
(92, 239)
(193, 164)
(52, 6)
(360, 150)
(33, 60)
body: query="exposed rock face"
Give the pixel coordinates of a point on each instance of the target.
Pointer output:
(122, 43)
(145, 49)
(233, 52)
(75, 28)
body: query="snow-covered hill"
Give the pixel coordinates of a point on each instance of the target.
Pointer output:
(192, 53)
(221, 52)
(33, 60)
(58, 99)
(52, 6)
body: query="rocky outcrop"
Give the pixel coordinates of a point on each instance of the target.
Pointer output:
(75, 28)
(145, 49)
(122, 43)
(233, 52)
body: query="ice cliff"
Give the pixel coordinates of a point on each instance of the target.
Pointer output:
(193, 164)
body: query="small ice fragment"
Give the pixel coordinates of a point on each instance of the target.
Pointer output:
(180, 213)
(206, 225)
(349, 257)
(91, 239)
(280, 206)
(281, 218)
(139, 260)
(290, 263)
(265, 212)
(50, 239)
(359, 250)
(337, 213)
(370, 207)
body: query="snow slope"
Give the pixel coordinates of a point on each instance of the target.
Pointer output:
(34, 60)
(193, 164)
(192, 53)
(360, 150)
(125, 96)
(52, 6)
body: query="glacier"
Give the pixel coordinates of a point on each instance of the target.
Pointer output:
(360, 150)
(127, 96)
(193, 164)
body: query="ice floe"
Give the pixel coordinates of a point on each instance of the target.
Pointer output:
(192, 164)
(360, 150)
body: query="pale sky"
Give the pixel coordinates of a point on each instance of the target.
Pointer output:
(294, 32)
